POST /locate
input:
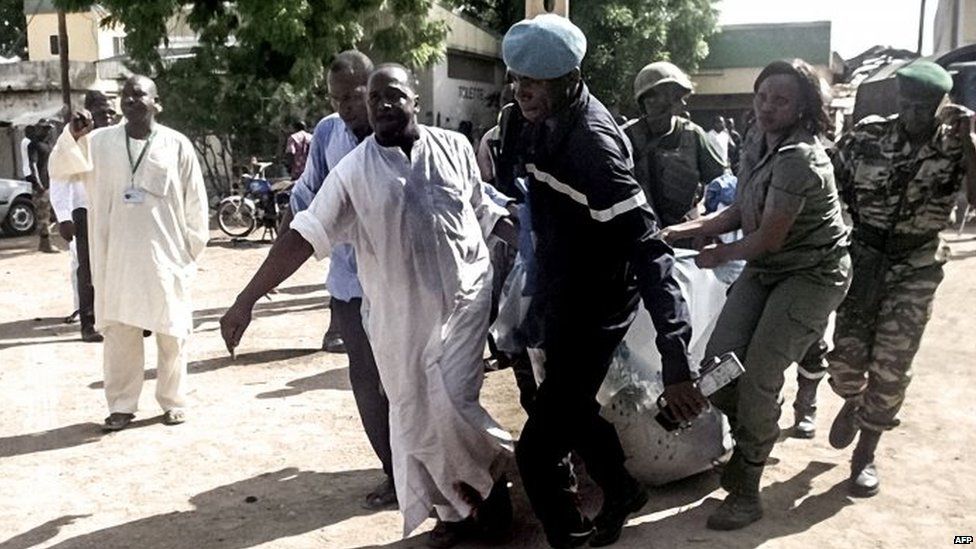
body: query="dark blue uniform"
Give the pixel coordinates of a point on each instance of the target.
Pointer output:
(596, 258)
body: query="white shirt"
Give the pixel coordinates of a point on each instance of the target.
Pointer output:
(24, 158)
(720, 142)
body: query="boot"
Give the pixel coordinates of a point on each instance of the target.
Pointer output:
(844, 428)
(805, 407)
(610, 521)
(88, 332)
(864, 481)
(742, 506)
(44, 245)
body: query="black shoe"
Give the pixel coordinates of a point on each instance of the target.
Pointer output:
(117, 421)
(333, 343)
(90, 335)
(610, 521)
(844, 428)
(382, 497)
(864, 481)
(449, 534)
(494, 516)
(577, 536)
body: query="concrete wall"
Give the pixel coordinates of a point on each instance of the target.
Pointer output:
(455, 100)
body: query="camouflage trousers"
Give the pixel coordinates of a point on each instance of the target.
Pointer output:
(42, 209)
(872, 360)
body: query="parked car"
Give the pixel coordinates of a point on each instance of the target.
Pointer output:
(17, 216)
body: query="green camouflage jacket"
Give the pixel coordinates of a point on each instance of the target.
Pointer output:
(872, 167)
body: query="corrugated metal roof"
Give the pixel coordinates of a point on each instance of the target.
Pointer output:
(756, 45)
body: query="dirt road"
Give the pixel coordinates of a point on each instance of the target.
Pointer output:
(273, 454)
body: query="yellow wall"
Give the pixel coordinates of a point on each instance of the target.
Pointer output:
(86, 40)
(535, 7)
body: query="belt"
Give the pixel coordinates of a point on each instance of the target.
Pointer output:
(894, 243)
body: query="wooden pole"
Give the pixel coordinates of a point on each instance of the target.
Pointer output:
(63, 55)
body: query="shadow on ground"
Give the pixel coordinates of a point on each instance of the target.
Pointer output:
(63, 437)
(28, 331)
(244, 359)
(336, 380)
(247, 513)
(40, 534)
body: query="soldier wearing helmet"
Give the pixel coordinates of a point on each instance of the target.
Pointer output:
(673, 160)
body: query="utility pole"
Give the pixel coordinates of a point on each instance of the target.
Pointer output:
(63, 55)
(921, 28)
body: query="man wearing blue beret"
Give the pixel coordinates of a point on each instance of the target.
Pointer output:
(899, 177)
(597, 256)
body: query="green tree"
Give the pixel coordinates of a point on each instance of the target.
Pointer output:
(497, 15)
(261, 64)
(13, 28)
(625, 35)
(622, 36)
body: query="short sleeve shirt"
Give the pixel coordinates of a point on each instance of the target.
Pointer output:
(795, 173)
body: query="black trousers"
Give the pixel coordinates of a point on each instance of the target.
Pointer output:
(564, 418)
(374, 407)
(86, 292)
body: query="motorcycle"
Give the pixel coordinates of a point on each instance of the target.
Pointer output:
(260, 202)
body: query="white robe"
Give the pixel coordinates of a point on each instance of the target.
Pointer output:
(143, 256)
(418, 226)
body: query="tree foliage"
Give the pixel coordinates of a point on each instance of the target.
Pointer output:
(13, 28)
(625, 35)
(261, 64)
(622, 36)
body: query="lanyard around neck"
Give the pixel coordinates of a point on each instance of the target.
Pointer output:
(135, 166)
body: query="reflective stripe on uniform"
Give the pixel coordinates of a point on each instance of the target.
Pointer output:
(624, 206)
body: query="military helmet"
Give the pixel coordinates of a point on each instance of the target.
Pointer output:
(657, 73)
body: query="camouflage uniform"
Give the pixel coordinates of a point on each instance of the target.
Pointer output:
(876, 339)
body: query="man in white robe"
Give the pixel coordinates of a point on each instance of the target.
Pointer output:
(148, 225)
(409, 199)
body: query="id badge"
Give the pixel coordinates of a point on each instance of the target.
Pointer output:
(133, 195)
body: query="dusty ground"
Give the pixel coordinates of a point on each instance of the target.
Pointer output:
(274, 455)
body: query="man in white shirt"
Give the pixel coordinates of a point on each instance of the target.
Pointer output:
(410, 200)
(719, 138)
(149, 225)
(70, 203)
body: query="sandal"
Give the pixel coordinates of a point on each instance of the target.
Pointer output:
(174, 416)
(117, 421)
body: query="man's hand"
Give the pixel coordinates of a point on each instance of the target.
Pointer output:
(507, 229)
(961, 119)
(233, 324)
(82, 124)
(685, 401)
(67, 230)
(709, 257)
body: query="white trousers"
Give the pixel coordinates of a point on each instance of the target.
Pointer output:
(124, 363)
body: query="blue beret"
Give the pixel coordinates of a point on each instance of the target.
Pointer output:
(545, 47)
